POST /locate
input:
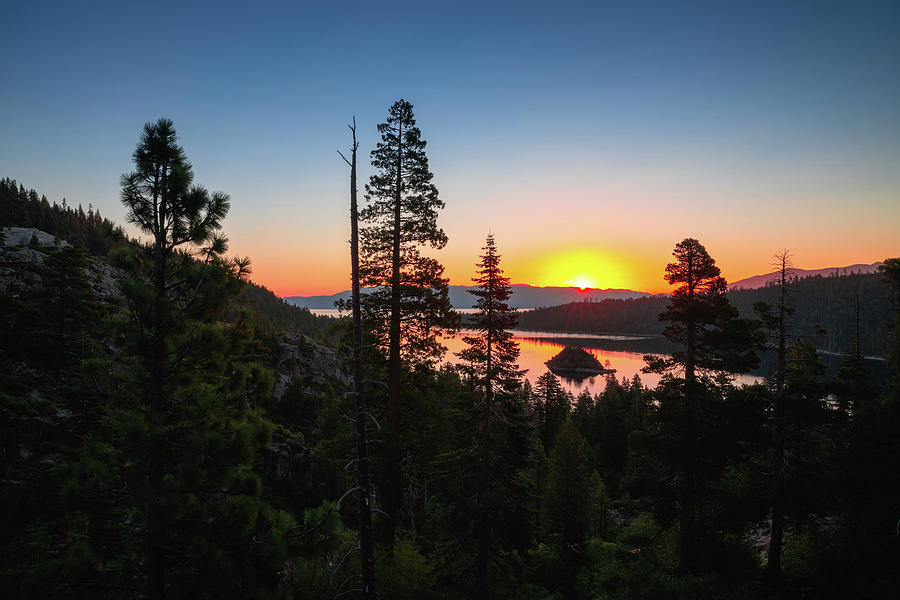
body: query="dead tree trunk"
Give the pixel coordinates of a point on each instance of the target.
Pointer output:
(367, 559)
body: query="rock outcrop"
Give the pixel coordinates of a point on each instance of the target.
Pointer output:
(308, 361)
(22, 254)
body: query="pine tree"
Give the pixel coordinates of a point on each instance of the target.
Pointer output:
(891, 273)
(777, 322)
(69, 308)
(566, 503)
(492, 353)
(410, 301)
(366, 553)
(551, 405)
(872, 479)
(401, 218)
(703, 322)
(488, 468)
(190, 430)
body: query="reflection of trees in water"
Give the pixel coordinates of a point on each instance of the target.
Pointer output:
(579, 382)
(614, 353)
(622, 353)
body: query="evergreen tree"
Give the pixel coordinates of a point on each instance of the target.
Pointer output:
(492, 353)
(366, 553)
(492, 499)
(401, 218)
(705, 325)
(567, 501)
(777, 322)
(69, 311)
(872, 510)
(890, 270)
(190, 432)
(410, 302)
(551, 405)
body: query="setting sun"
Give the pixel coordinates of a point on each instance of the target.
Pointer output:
(582, 282)
(580, 267)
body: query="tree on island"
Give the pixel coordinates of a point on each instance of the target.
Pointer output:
(410, 302)
(714, 340)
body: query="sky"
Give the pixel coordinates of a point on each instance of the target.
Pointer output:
(588, 138)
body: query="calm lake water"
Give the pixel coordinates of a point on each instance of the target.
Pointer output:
(624, 353)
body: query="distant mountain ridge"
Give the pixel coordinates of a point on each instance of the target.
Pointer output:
(530, 296)
(758, 281)
(523, 296)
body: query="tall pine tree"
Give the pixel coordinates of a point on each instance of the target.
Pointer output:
(400, 219)
(705, 325)
(410, 301)
(492, 500)
(188, 430)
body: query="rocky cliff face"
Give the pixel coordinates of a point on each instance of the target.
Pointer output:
(21, 260)
(23, 251)
(308, 361)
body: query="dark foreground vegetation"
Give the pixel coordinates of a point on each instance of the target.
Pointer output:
(170, 430)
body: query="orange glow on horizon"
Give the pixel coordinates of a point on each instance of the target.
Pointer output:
(639, 268)
(584, 268)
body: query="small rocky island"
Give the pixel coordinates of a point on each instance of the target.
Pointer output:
(574, 362)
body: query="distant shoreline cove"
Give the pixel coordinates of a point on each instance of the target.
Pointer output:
(579, 335)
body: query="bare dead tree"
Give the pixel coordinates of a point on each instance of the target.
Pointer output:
(781, 315)
(367, 559)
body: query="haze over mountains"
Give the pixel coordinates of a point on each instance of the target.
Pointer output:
(529, 296)
(758, 281)
(523, 296)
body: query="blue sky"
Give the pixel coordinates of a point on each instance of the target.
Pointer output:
(618, 127)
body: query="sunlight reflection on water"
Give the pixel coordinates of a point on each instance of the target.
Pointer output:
(537, 347)
(624, 353)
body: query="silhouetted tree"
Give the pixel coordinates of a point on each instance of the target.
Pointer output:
(365, 494)
(492, 352)
(703, 323)
(567, 502)
(69, 312)
(890, 270)
(410, 301)
(190, 433)
(496, 435)
(551, 405)
(401, 219)
(777, 322)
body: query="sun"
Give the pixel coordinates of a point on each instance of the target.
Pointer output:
(579, 267)
(582, 282)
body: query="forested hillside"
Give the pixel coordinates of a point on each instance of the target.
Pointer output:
(826, 312)
(170, 430)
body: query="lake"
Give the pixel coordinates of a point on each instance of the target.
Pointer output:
(335, 313)
(624, 353)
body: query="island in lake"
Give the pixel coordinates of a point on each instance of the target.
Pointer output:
(574, 362)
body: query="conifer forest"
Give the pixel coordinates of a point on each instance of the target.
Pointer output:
(171, 430)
